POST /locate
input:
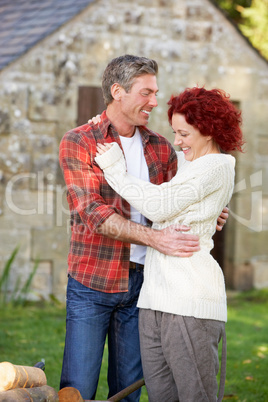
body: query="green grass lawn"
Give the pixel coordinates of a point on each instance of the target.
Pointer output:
(29, 334)
(247, 347)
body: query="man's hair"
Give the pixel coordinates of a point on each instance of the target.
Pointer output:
(124, 70)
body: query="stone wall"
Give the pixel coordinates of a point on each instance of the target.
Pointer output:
(194, 44)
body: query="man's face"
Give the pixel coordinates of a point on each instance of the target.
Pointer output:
(137, 104)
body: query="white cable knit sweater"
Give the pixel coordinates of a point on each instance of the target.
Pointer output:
(195, 197)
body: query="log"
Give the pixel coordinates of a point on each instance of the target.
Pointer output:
(12, 376)
(40, 394)
(70, 394)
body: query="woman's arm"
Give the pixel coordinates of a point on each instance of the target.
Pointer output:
(84, 197)
(158, 202)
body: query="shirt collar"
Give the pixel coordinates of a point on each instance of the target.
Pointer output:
(105, 124)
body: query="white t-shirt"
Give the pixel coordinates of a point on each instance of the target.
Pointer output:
(136, 166)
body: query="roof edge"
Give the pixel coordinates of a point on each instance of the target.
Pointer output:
(226, 15)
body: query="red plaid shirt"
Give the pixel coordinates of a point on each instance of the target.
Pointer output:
(94, 260)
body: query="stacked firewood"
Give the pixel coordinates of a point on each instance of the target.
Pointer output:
(23, 383)
(29, 384)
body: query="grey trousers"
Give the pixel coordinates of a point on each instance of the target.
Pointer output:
(180, 356)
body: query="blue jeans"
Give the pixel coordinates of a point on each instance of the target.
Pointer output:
(91, 315)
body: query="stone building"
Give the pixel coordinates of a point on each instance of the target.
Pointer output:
(52, 56)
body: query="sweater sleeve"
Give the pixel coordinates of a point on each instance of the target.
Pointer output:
(163, 202)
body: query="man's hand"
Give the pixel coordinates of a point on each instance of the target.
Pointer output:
(173, 241)
(222, 219)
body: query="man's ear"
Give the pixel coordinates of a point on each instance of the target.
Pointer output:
(116, 91)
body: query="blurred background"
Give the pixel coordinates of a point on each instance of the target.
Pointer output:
(52, 56)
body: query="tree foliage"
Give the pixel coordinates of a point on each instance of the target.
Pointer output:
(252, 18)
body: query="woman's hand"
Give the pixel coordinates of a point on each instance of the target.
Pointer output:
(95, 119)
(102, 148)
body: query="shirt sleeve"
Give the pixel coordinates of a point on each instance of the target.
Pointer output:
(82, 182)
(161, 202)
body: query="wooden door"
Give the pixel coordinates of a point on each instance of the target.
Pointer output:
(219, 247)
(90, 103)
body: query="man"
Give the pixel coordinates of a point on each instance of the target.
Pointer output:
(109, 239)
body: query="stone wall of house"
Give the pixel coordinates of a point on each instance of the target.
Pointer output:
(194, 44)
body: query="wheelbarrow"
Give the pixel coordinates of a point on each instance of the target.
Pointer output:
(70, 394)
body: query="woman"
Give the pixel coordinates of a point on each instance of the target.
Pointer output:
(183, 301)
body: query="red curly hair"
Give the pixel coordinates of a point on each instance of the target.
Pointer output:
(212, 113)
